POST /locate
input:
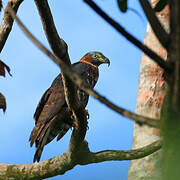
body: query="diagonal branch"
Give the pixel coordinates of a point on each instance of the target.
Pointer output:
(60, 164)
(7, 22)
(60, 49)
(156, 58)
(81, 84)
(159, 31)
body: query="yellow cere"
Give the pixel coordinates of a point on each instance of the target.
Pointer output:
(100, 57)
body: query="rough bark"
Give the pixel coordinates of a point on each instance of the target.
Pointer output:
(151, 92)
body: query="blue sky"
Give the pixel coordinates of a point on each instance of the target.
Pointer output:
(33, 73)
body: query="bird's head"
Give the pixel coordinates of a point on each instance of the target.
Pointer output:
(95, 58)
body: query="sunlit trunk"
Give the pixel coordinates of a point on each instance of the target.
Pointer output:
(151, 92)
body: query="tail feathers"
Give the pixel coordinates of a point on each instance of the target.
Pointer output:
(44, 134)
(35, 134)
(40, 145)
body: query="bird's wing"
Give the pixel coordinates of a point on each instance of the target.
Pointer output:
(41, 104)
(50, 104)
(58, 125)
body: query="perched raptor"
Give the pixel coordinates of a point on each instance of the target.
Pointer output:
(52, 116)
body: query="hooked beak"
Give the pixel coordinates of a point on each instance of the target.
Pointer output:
(105, 60)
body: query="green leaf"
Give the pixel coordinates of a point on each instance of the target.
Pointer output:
(160, 5)
(2, 102)
(122, 5)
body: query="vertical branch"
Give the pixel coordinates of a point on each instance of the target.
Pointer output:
(60, 49)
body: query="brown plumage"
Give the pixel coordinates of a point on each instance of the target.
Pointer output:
(52, 116)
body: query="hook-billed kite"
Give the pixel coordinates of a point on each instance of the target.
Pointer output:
(52, 116)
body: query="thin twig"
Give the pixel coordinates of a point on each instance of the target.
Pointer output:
(81, 84)
(155, 57)
(159, 31)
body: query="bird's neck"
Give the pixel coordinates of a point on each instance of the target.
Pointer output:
(88, 61)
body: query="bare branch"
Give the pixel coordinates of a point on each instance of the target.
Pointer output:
(159, 31)
(60, 164)
(156, 58)
(60, 49)
(7, 21)
(81, 84)
(138, 118)
(117, 155)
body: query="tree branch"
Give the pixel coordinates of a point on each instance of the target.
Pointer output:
(159, 31)
(156, 58)
(60, 49)
(7, 21)
(60, 164)
(81, 84)
(117, 155)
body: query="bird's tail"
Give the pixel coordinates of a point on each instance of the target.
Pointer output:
(44, 134)
(40, 143)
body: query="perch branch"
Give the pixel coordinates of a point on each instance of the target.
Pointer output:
(155, 57)
(117, 155)
(60, 164)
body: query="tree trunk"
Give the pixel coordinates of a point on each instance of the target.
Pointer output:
(151, 92)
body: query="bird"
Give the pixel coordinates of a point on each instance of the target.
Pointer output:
(52, 115)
